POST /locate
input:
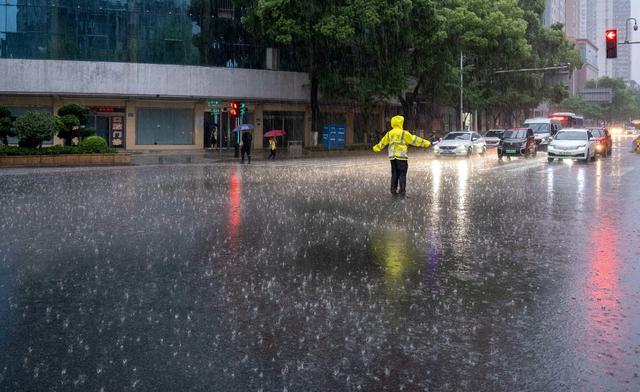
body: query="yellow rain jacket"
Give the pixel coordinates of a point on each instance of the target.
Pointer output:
(398, 140)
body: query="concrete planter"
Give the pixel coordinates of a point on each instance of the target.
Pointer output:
(65, 160)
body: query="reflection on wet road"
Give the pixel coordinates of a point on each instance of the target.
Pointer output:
(307, 276)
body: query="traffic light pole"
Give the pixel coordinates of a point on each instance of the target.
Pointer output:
(461, 92)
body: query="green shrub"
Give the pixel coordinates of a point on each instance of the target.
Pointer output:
(6, 125)
(94, 144)
(73, 121)
(35, 127)
(79, 111)
(55, 150)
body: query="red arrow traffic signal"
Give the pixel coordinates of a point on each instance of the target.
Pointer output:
(612, 44)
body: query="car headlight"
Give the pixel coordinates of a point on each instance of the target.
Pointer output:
(461, 148)
(581, 147)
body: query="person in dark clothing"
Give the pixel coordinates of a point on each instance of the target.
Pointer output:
(247, 138)
(399, 170)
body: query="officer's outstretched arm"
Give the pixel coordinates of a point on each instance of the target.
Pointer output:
(383, 143)
(415, 141)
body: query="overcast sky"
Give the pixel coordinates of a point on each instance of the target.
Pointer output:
(635, 49)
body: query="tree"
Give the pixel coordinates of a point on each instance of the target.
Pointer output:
(373, 67)
(6, 125)
(578, 105)
(316, 30)
(72, 123)
(624, 103)
(35, 127)
(490, 35)
(519, 92)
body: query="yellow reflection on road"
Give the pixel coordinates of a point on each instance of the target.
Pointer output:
(394, 250)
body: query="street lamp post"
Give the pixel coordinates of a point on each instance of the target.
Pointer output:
(635, 28)
(461, 93)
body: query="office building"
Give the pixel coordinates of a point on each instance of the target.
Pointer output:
(155, 74)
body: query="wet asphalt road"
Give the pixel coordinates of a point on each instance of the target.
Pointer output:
(308, 276)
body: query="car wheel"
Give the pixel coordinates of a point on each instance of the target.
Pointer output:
(469, 151)
(550, 160)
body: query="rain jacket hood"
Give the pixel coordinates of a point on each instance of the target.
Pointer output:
(397, 122)
(398, 140)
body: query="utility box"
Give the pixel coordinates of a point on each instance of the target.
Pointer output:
(333, 136)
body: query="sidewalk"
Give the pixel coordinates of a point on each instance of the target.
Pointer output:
(217, 156)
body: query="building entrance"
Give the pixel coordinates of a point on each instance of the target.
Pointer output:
(109, 124)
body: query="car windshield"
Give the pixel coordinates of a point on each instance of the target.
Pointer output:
(515, 134)
(494, 134)
(539, 128)
(571, 135)
(597, 132)
(458, 136)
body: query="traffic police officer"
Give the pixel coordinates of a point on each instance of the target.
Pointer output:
(398, 140)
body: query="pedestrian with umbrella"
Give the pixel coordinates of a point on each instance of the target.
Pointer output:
(272, 141)
(247, 139)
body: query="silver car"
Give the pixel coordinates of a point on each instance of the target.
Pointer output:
(460, 143)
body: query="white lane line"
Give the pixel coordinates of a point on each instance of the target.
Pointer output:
(513, 166)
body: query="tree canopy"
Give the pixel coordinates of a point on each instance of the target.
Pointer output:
(368, 50)
(624, 105)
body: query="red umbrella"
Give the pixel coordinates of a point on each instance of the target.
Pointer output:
(277, 132)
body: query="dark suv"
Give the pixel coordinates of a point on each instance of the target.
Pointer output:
(518, 142)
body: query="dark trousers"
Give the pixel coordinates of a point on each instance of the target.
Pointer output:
(246, 150)
(272, 154)
(399, 170)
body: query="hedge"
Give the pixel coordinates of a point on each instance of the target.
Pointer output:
(55, 150)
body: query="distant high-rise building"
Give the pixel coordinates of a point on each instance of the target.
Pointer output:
(554, 12)
(578, 17)
(598, 16)
(622, 65)
(573, 19)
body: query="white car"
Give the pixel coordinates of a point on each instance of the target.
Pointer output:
(493, 136)
(570, 143)
(460, 143)
(543, 129)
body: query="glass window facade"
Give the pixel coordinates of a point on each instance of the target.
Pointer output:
(164, 126)
(291, 122)
(186, 32)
